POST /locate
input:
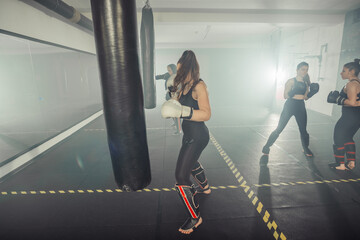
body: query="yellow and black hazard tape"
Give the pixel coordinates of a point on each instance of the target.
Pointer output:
(43, 192)
(94, 129)
(103, 129)
(271, 224)
(308, 182)
(90, 191)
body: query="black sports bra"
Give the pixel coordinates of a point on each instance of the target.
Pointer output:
(299, 87)
(188, 100)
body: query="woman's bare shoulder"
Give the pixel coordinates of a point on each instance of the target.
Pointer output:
(200, 87)
(291, 80)
(353, 83)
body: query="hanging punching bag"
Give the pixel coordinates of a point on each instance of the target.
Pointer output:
(147, 41)
(115, 31)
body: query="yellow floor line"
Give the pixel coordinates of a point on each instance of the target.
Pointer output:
(308, 182)
(237, 175)
(270, 223)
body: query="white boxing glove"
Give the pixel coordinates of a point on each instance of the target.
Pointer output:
(173, 108)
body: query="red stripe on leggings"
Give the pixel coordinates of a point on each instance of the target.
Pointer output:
(341, 148)
(338, 156)
(351, 159)
(187, 203)
(351, 152)
(349, 143)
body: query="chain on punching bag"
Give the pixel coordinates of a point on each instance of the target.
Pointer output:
(147, 41)
(117, 51)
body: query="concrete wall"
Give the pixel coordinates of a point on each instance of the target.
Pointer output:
(350, 48)
(235, 77)
(320, 47)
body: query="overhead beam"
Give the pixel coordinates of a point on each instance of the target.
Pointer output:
(249, 17)
(183, 15)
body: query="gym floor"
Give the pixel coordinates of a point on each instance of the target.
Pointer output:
(70, 193)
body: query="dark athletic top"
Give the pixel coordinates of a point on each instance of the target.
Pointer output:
(188, 100)
(193, 129)
(299, 87)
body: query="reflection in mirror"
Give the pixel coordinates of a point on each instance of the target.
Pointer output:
(44, 90)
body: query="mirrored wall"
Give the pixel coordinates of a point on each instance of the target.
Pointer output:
(44, 89)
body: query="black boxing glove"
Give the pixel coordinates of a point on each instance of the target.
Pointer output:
(314, 88)
(335, 97)
(343, 94)
(171, 89)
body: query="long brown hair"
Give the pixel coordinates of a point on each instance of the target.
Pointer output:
(307, 79)
(188, 64)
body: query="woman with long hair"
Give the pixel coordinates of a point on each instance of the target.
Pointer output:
(191, 104)
(349, 122)
(296, 90)
(169, 77)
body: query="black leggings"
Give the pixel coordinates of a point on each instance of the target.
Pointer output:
(195, 139)
(347, 126)
(292, 107)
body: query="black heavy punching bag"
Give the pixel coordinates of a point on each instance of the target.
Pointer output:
(147, 41)
(115, 31)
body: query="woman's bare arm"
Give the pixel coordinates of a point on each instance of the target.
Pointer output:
(288, 86)
(352, 92)
(201, 95)
(308, 87)
(306, 93)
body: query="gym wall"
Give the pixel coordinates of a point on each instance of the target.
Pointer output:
(49, 77)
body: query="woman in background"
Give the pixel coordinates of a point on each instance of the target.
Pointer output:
(349, 122)
(169, 77)
(296, 90)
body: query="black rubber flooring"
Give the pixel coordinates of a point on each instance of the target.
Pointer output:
(69, 192)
